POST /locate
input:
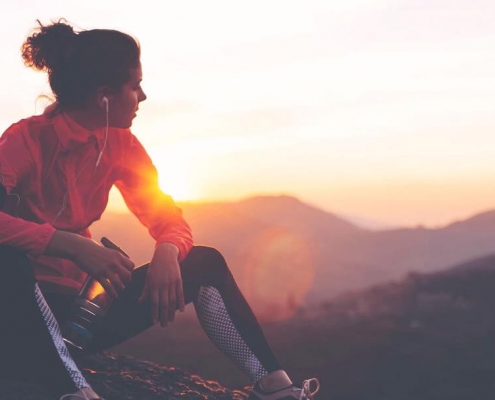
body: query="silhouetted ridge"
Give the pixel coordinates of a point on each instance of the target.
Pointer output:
(479, 221)
(290, 211)
(429, 336)
(259, 236)
(480, 264)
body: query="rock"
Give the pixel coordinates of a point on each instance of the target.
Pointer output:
(119, 377)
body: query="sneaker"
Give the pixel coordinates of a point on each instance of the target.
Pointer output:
(82, 394)
(289, 393)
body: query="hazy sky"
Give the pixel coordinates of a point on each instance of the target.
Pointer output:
(376, 109)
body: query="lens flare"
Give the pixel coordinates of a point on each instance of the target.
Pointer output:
(279, 272)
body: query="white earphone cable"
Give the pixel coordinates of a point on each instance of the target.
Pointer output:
(106, 135)
(66, 195)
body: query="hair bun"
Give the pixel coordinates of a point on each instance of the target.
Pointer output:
(49, 46)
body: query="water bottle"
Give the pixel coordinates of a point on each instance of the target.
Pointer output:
(88, 310)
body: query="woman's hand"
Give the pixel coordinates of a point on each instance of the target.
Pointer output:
(107, 266)
(163, 285)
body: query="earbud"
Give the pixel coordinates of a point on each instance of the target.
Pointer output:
(105, 100)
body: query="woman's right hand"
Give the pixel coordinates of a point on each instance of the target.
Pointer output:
(109, 267)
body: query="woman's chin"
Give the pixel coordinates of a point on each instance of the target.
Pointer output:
(123, 124)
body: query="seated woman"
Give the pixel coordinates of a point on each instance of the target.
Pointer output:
(59, 168)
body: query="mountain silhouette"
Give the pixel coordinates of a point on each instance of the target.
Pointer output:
(428, 336)
(285, 253)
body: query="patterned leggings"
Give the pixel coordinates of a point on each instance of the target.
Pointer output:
(31, 346)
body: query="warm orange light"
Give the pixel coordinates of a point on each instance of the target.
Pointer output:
(175, 174)
(96, 294)
(279, 273)
(95, 290)
(178, 186)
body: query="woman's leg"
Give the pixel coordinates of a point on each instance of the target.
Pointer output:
(31, 346)
(222, 310)
(230, 323)
(225, 314)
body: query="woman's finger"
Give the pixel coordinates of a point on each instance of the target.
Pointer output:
(144, 293)
(128, 264)
(116, 282)
(124, 257)
(123, 273)
(172, 304)
(154, 304)
(180, 296)
(163, 307)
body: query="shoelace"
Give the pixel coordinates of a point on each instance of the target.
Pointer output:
(306, 392)
(73, 396)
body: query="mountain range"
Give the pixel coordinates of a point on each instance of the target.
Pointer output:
(286, 254)
(428, 336)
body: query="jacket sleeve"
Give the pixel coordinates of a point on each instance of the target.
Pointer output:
(138, 183)
(16, 163)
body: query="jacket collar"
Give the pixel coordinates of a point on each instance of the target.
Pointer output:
(71, 135)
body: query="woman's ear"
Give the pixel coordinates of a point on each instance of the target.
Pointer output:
(102, 97)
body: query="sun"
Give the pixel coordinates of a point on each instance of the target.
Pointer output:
(176, 176)
(177, 186)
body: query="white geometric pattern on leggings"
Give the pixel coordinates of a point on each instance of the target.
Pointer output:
(54, 330)
(219, 327)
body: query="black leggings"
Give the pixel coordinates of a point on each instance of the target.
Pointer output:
(27, 350)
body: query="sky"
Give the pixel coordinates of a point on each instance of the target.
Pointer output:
(380, 111)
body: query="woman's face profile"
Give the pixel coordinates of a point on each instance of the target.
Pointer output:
(124, 104)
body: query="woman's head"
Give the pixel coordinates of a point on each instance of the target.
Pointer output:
(82, 65)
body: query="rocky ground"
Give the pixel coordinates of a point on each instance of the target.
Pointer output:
(117, 377)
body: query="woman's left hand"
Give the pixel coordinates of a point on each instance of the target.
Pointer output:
(163, 284)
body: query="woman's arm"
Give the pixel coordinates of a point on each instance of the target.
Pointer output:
(30, 237)
(16, 164)
(163, 285)
(107, 266)
(158, 212)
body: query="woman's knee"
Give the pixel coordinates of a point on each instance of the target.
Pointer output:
(211, 260)
(211, 255)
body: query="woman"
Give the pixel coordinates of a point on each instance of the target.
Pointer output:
(58, 169)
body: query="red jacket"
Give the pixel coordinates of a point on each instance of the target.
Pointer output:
(49, 161)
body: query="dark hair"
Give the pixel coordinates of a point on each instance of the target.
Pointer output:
(78, 63)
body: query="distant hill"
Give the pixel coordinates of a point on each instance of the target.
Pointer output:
(261, 238)
(285, 253)
(427, 336)
(391, 254)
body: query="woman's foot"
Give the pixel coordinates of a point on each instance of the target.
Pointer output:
(307, 392)
(82, 394)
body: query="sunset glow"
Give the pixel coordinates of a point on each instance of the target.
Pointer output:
(284, 260)
(176, 176)
(380, 110)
